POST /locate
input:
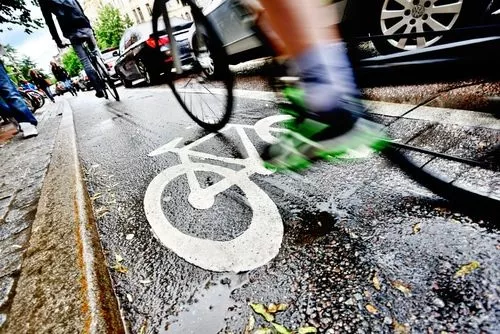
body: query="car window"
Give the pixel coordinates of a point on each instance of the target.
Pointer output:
(133, 36)
(122, 41)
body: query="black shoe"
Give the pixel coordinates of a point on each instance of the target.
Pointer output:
(99, 94)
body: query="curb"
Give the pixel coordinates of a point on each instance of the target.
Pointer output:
(64, 284)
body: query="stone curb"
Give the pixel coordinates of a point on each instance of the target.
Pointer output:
(64, 284)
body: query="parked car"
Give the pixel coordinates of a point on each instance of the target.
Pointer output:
(359, 18)
(110, 56)
(138, 56)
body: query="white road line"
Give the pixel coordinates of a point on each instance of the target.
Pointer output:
(256, 246)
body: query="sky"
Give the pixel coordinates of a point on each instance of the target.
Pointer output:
(38, 45)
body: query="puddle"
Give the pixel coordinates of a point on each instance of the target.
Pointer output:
(206, 310)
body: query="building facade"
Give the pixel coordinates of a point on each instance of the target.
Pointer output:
(138, 10)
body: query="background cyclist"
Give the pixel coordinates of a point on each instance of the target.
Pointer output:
(76, 27)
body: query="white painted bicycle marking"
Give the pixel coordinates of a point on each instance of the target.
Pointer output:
(255, 247)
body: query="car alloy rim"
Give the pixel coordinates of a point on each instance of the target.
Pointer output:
(414, 16)
(144, 72)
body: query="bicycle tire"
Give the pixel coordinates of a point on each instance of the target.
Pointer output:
(39, 97)
(29, 102)
(222, 80)
(467, 200)
(107, 82)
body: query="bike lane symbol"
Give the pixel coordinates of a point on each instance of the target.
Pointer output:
(256, 246)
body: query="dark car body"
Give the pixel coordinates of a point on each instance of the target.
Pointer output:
(139, 57)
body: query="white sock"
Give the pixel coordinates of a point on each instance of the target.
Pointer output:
(327, 77)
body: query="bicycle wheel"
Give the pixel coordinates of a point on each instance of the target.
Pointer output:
(32, 106)
(40, 99)
(109, 85)
(461, 166)
(204, 89)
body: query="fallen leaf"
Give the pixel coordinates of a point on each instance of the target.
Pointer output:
(96, 196)
(372, 309)
(261, 310)
(263, 331)
(404, 288)
(282, 307)
(376, 281)
(272, 308)
(129, 297)
(118, 258)
(416, 228)
(400, 328)
(129, 236)
(145, 281)
(307, 330)
(281, 329)
(466, 269)
(250, 325)
(120, 268)
(142, 330)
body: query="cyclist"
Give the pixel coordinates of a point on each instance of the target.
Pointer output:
(328, 102)
(62, 75)
(76, 27)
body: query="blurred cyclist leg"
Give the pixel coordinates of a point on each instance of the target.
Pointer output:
(87, 64)
(328, 100)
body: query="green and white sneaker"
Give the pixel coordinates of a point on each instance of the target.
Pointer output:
(310, 140)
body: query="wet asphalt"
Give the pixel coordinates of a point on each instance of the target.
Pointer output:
(364, 248)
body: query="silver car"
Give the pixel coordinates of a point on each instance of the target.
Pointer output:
(359, 17)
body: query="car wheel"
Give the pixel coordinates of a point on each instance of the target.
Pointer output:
(412, 16)
(126, 83)
(149, 77)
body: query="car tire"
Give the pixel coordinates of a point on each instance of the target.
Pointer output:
(416, 17)
(150, 77)
(126, 83)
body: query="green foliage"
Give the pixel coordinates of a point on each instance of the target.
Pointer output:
(17, 68)
(128, 21)
(72, 63)
(16, 12)
(25, 65)
(110, 27)
(14, 74)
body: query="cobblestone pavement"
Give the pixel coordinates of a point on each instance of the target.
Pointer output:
(23, 164)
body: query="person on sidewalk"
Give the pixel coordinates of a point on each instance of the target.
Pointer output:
(61, 74)
(42, 82)
(76, 27)
(13, 105)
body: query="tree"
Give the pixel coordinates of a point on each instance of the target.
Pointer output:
(128, 21)
(25, 65)
(72, 63)
(110, 27)
(17, 12)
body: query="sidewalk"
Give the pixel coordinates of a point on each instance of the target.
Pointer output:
(53, 275)
(23, 165)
